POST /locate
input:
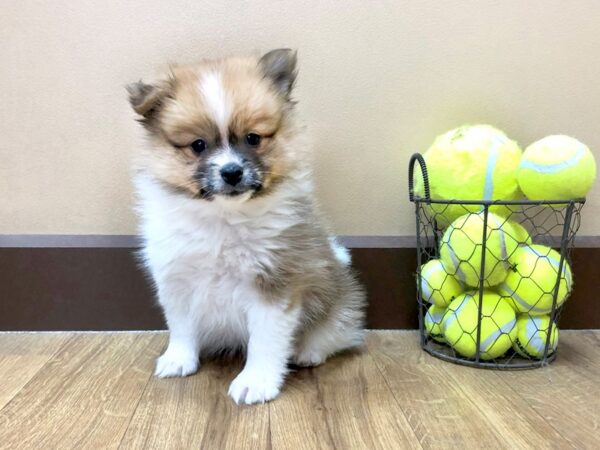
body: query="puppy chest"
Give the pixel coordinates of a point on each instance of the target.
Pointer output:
(221, 307)
(216, 249)
(243, 259)
(237, 251)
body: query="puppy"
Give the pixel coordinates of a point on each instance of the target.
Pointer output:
(231, 233)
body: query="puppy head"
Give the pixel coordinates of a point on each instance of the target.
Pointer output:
(220, 128)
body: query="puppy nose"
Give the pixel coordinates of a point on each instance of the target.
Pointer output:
(232, 173)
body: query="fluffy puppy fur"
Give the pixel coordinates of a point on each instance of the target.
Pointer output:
(231, 234)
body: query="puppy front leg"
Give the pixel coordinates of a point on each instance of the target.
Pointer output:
(182, 355)
(271, 329)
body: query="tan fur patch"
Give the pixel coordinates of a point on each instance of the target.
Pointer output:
(184, 117)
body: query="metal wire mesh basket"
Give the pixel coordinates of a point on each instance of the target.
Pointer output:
(492, 276)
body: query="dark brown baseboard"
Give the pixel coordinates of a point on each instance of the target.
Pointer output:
(93, 288)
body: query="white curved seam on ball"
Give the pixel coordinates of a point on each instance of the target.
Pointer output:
(530, 331)
(533, 330)
(488, 190)
(491, 339)
(456, 263)
(557, 167)
(539, 344)
(426, 288)
(503, 249)
(555, 264)
(520, 300)
(451, 320)
(435, 318)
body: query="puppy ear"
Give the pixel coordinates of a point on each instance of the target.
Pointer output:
(145, 98)
(280, 66)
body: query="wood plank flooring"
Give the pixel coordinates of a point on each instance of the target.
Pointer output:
(96, 390)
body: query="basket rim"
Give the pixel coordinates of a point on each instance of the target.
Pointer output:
(417, 158)
(527, 202)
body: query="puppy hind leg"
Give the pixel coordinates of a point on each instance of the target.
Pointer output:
(327, 339)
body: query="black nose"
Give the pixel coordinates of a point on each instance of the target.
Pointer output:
(232, 173)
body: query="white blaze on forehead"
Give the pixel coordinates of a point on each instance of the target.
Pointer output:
(225, 156)
(217, 101)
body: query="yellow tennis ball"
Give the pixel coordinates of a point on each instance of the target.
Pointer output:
(516, 235)
(477, 162)
(521, 235)
(461, 248)
(530, 283)
(532, 333)
(437, 285)
(556, 168)
(433, 322)
(498, 325)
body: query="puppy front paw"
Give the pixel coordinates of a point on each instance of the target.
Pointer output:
(253, 386)
(176, 363)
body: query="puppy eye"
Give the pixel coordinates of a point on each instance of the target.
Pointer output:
(253, 139)
(199, 145)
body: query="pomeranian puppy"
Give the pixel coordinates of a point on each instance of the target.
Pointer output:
(231, 233)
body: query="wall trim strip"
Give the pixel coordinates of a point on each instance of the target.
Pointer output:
(69, 241)
(104, 288)
(133, 241)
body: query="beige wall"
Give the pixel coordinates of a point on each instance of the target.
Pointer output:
(378, 80)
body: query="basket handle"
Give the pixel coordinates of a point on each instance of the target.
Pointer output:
(417, 157)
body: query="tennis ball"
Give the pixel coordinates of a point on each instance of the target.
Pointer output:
(498, 325)
(521, 235)
(433, 322)
(476, 162)
(437, 285)
(517, 237)
(530, 284)
(556, 168)
(532, 333)
(461, 248)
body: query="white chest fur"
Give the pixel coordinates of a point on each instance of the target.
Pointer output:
(204, 257)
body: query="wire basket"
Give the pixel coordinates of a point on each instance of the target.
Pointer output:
(497, 279)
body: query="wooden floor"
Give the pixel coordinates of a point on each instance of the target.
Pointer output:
(96, 391)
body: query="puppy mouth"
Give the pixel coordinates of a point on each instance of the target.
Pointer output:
(234, 193)
(237, 191)
(209, 193)
(204, 194)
